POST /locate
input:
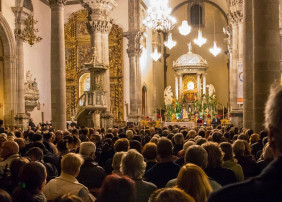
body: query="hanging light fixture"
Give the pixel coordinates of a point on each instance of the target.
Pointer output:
(200, 40)
(158, 16)
(170, 43)
(156, 55)
(185, 28)
(214, 50)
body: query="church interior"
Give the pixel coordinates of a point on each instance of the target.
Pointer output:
(104, 63)
(140, 100)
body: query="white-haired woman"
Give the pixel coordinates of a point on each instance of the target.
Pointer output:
(133, 165)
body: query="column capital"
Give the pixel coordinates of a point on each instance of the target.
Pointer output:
(99, 26)
(134, 38)
(235, 13)
(59, 3)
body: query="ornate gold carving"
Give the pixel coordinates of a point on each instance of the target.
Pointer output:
(116, 71)
(187, 78)
(78, 52)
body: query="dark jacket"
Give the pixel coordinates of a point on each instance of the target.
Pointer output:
(91, 175)
(223, 176)
(161, 173)
(265, 187)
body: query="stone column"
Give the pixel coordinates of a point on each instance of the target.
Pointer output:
(204, 84)
(179, 92)
(266, 55)
(105, 60)
(248, 64)
(133, 52)
(58, 71)
(138, 52)
(176, 87)
(180, 83)
(233, 69)
(132, 79)
(198, 84)
(236, 57)
(21, 14)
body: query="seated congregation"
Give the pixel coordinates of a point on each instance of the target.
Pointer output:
(132, 164)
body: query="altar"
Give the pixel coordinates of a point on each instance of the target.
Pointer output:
(181, 124)
(193, 99)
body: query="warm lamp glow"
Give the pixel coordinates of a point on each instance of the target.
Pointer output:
(158, 16)
(170, 43)
(200, 40)
(156, 55)
(215, 50)
(184, 29)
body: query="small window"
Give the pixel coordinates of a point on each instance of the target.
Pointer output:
(197, 15)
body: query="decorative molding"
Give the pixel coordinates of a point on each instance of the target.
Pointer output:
(59, 3)
(31, 92)
(99, 25)
(78, 52)
(134, 43)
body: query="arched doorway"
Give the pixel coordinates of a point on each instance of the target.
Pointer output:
(84, 83)
(1, 81)
(8, 69)
(144, 100)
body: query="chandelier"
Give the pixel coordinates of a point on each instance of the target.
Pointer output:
(156, 55)
(184, 29)
(200, 40)
(29, 33)
(158, 16)
(215, 50)
(170, 43)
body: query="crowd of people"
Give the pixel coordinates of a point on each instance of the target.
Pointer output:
(128, 164)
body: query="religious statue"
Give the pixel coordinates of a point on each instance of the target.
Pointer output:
(168, 95)
(211, 89)
(31, 92)
(185, 114)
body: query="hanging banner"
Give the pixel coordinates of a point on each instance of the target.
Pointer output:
(240, 83)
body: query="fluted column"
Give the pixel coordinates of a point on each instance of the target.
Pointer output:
(204, 84)
(198, 83)
(21, 14)
(176, 87)
(248, 64)
(58, 71)
(266, 54)
(180, 83)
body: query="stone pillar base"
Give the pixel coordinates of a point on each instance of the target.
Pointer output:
(237, 118)
(22, 120)
(107, 120)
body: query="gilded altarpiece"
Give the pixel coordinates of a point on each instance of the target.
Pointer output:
(78, 52)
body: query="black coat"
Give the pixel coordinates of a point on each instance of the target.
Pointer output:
(265, 187)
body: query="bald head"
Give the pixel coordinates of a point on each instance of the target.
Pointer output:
(9, 148)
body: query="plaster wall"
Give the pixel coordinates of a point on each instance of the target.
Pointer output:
(8, 13)
(37, 60)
